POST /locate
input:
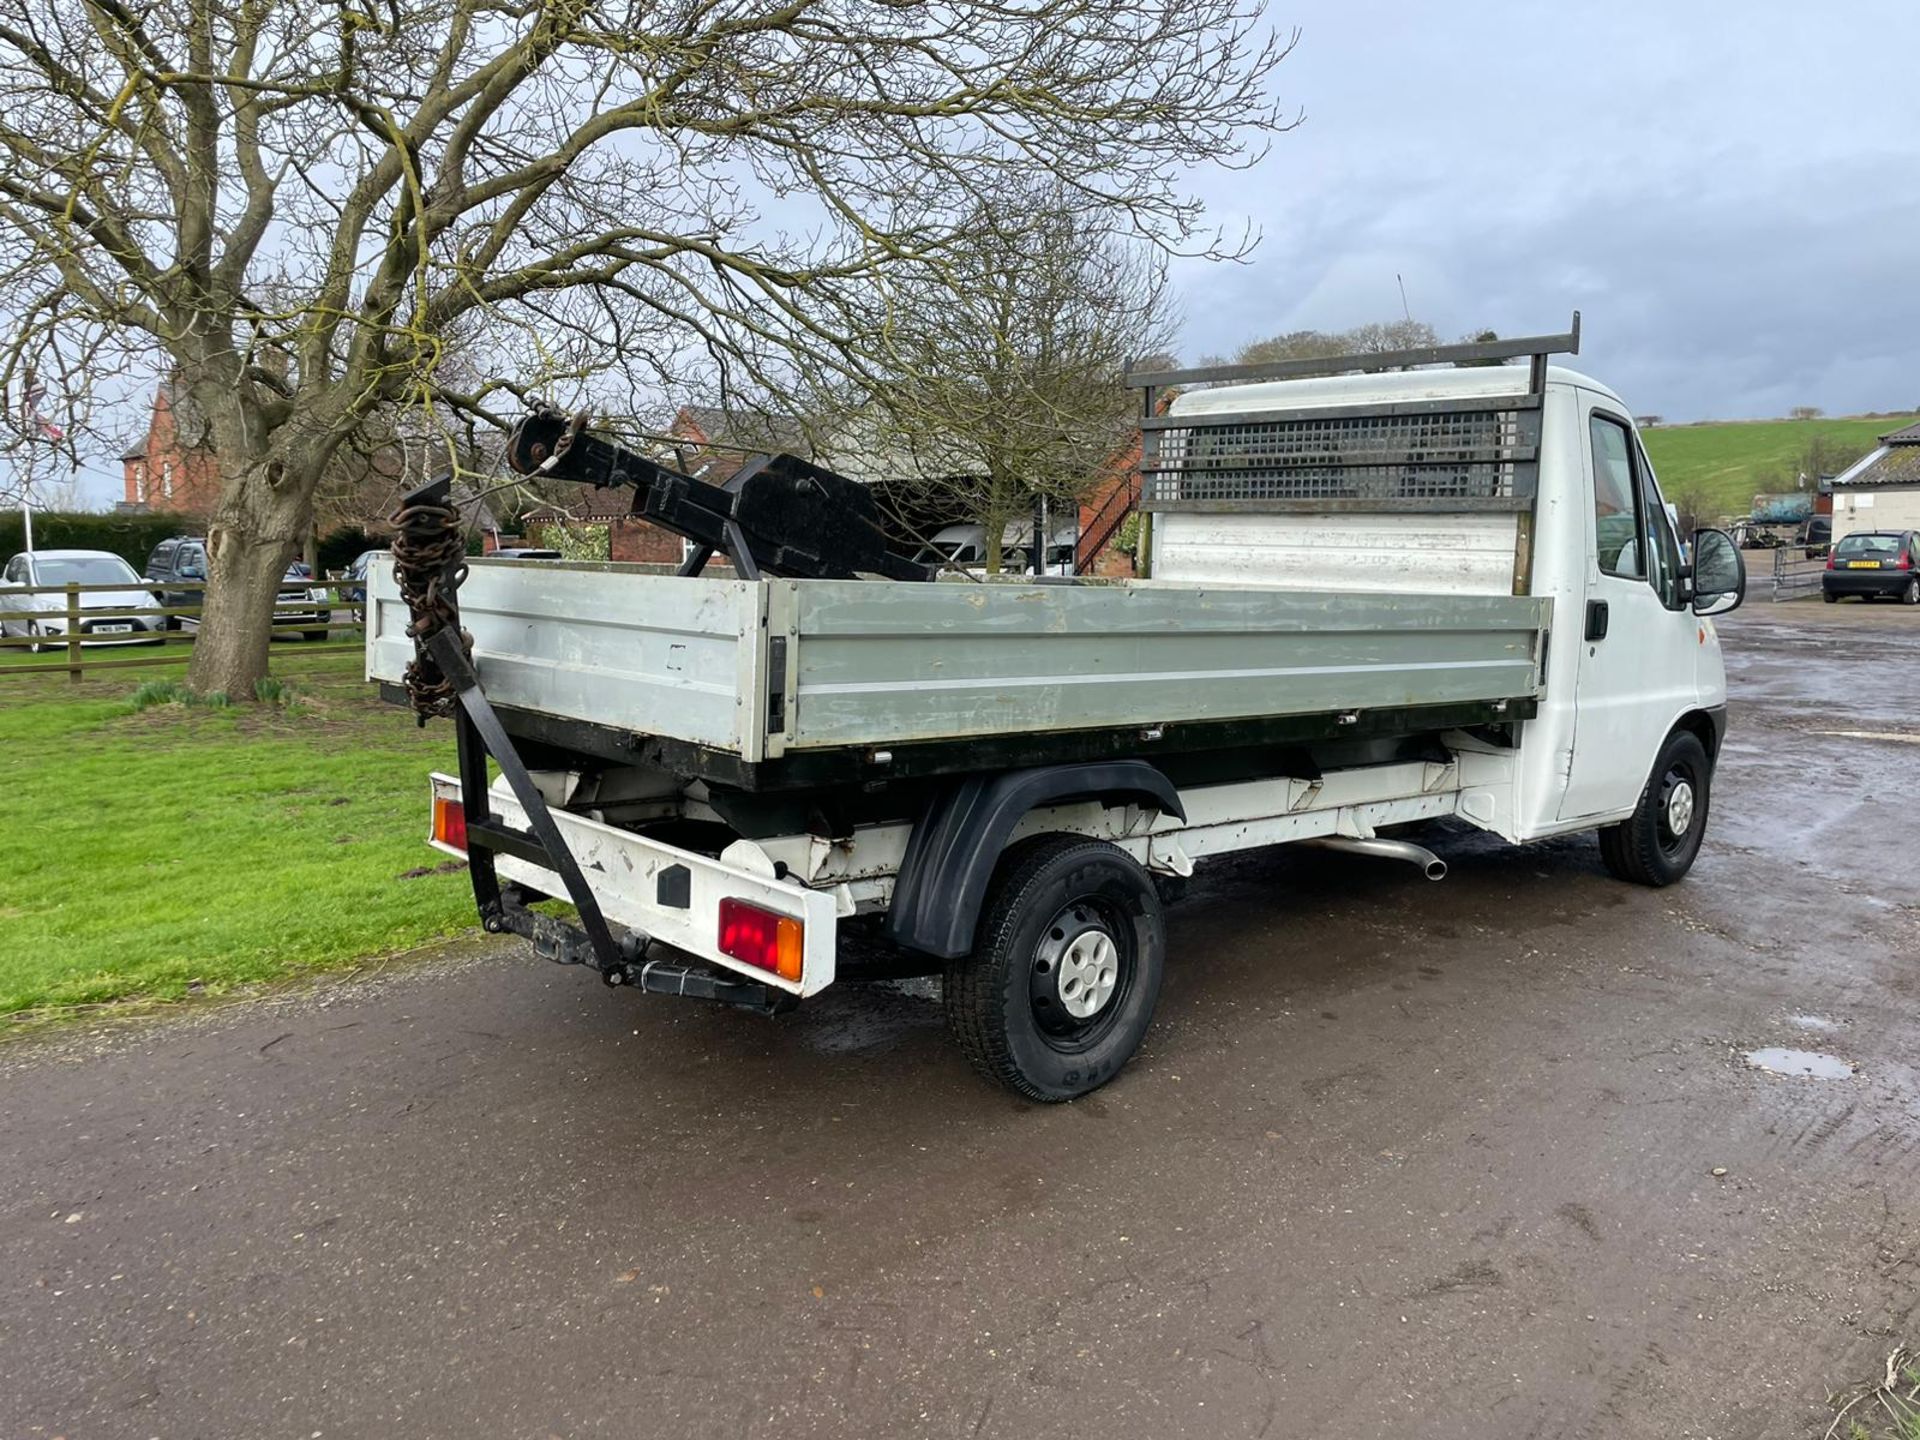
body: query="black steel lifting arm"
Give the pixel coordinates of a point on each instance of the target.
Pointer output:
(778, 515)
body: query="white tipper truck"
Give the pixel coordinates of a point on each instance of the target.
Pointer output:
(1385, 589)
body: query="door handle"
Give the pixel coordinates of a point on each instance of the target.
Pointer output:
(1596, 619)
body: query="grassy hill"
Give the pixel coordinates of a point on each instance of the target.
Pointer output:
(1720, 466)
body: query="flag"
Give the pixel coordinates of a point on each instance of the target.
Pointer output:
(35, 423)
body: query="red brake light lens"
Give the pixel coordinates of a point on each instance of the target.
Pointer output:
(761, 938)
(450, 822)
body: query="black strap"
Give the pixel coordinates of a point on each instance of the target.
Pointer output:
(451, 656)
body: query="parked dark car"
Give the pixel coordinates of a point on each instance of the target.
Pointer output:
(1817, 536)
(353, 588)
(1874, 562)
(178, 562)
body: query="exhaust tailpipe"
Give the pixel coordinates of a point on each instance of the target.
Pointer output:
(1431, 865)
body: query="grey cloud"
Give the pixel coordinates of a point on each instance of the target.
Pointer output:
(1729, 194)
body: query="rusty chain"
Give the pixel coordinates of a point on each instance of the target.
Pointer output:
(428, 547)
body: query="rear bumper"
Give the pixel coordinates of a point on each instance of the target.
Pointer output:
(1864, 582)
(661, 891)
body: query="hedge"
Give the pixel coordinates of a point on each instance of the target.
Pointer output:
(132, 536)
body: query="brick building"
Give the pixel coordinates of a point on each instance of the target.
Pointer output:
(173, 468)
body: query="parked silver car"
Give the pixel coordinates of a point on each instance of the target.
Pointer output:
(119, 616)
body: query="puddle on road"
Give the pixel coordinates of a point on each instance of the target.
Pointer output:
(1800, 1062)
(1898, 737)
(874, 1017)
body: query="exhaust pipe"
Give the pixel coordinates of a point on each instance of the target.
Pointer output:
(1431, 865)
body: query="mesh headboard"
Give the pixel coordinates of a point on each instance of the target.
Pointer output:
(1465, 454)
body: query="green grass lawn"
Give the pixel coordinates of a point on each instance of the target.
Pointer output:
(1726, 464)
(151, 854)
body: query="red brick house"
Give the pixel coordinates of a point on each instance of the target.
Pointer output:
(173, 468)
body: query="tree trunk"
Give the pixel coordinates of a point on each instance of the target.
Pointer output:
(999, 506)
(996, 529)
(255, 532)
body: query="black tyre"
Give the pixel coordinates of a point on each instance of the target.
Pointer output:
(1910, 595)
(1830, 598)
(1657, 844)
(1065, 970)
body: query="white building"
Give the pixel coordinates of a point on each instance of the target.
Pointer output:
(1881, 491)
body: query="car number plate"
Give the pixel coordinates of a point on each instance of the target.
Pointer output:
(111, 629)
(1863, 564)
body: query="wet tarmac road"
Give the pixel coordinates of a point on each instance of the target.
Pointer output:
(1400, 1158)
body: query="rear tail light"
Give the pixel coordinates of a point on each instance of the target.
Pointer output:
(450, 822)
(761, 938)
(1905, 562)
(1832, 564)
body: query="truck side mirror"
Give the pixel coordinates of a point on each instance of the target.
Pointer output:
(1719, 574)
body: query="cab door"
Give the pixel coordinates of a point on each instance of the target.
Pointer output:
(1637, 635)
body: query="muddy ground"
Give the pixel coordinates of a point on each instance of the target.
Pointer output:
(1400, 1159)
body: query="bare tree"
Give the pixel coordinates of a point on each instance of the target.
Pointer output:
(1003, 383)
(1376, 338)
(297, 209)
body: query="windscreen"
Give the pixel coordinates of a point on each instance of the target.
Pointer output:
(1868, 547)
(87, 570)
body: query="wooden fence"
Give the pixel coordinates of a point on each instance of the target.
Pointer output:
(62, 627)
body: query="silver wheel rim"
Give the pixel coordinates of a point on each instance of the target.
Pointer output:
(1086, 972)
(1680, 809)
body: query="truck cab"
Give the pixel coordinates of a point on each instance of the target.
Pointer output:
(1578, 517)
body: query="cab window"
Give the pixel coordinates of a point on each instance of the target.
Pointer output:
(1661, 548)
(1617, 526)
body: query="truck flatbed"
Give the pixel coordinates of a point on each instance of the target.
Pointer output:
(780, 683)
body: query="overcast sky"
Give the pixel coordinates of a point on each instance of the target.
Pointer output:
(1729, 192)
(1728, 189)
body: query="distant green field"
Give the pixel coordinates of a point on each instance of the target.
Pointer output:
(1720, 467)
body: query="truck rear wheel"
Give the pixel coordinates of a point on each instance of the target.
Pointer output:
(1065, 970)
(1656, 845)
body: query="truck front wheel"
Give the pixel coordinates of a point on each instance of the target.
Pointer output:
(1656, 845)
(1065, 970)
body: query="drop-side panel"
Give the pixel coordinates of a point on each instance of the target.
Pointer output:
(657, 654)
(894, 664)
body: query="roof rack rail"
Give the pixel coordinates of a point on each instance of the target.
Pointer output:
(1534, 347)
